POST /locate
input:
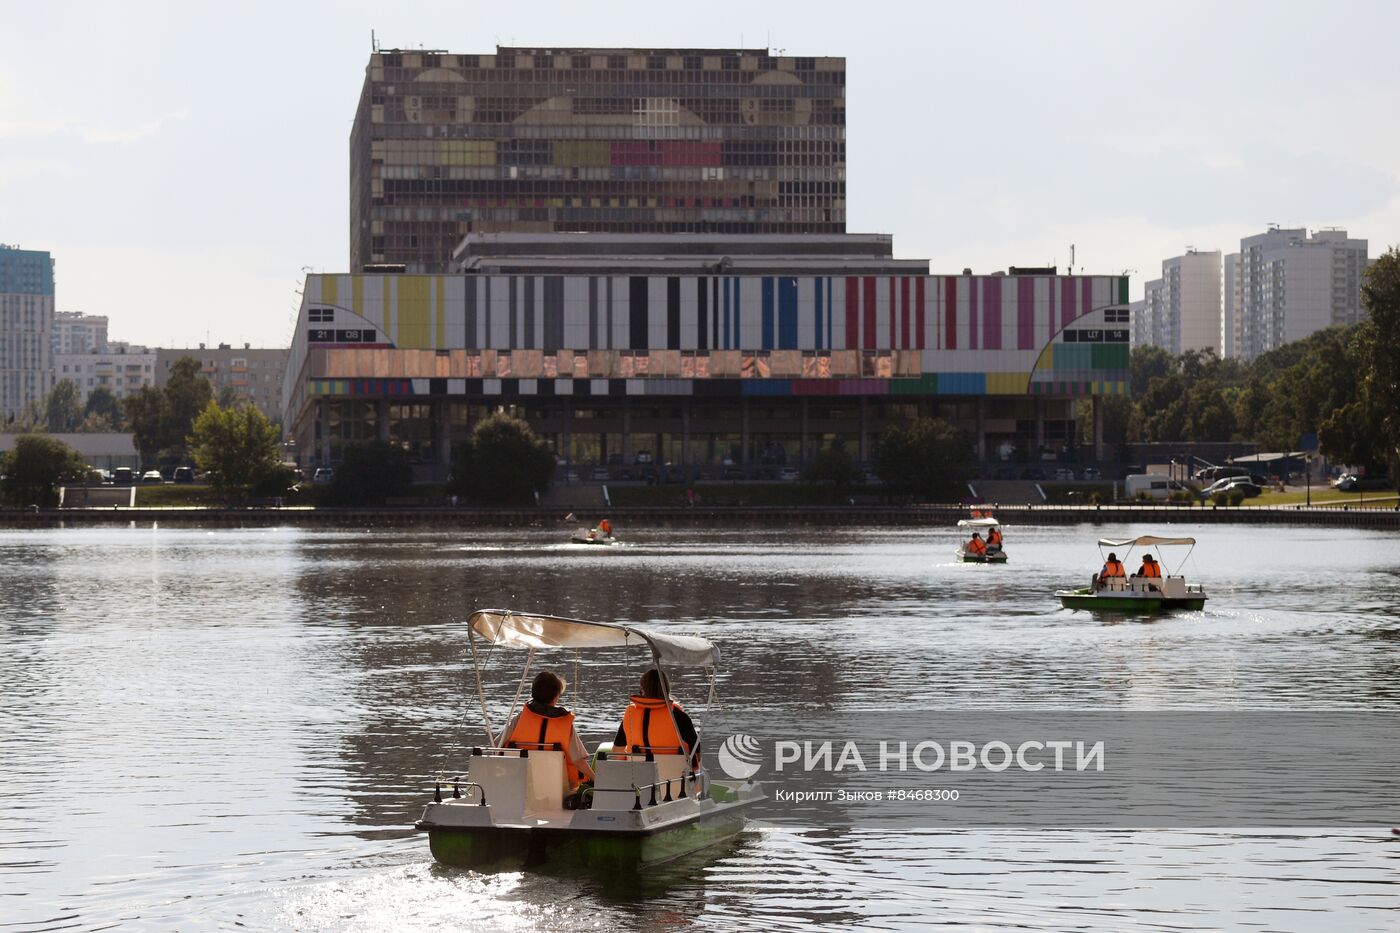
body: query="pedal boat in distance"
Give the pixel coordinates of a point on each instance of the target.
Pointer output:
(506, 809)
(983, 524)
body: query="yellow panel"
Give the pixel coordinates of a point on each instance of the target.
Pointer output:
(1008, 383)
(1047, 358)
(330, 289)
(441, 311)
(414, 312)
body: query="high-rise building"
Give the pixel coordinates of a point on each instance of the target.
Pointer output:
(76, 332)
(26, 327)
(1230, 313)
(729, 141)
(117, 366)
(1192, 283)
(240, 374)
(1292, 285)
(1153, 329)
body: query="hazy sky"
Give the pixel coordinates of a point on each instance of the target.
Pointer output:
(184, 161)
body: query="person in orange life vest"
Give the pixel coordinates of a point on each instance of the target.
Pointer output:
(543, 724)
(605, 528)
(976, 546)
(1113, 567)
(647, 725)
(1150, 567)
(994, 539)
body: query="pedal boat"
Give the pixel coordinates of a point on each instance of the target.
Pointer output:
(507, 809)
(585, 536)
(984, 524)
(1137, 594)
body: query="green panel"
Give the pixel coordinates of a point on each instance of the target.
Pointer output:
(1123, 290)
(1074, 356)
(1110, 355)
(908, 387)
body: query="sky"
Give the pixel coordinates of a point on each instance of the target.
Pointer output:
(185, 162)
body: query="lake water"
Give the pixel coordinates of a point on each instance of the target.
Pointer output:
(233, 729)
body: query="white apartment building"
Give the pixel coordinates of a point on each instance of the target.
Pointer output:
(248, 373)
(1293, 285)
(1192, 295)
(76, 332)
(1230, 311)
(120, 368)
(1154, 328)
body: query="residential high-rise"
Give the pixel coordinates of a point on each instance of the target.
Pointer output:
(1155, 327)
(76, 332)
(728, 141)
(26, 327)
(1292, 285)
(1192, 283)
(1230, 314)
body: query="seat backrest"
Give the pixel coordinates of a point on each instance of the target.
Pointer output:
(615, 778)
(546, 782)
(517, 787)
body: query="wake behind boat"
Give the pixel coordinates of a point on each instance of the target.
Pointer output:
(512, 806)
(1146, 591)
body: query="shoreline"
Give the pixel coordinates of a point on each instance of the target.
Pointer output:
(933, 516)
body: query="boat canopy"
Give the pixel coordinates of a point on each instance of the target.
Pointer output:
(979, 523)
(1144, 539)
(527, 630)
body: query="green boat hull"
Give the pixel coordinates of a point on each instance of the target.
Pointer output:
(1113, 602)
(974, 559)
(510, 848)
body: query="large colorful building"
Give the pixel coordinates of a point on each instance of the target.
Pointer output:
(732, 141)
(698, 351)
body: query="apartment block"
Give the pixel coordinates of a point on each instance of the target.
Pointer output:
(551, 140)
(119, 367)
(1293, 285)
(246, 373)
(76, 332)
(26, 327)
(1181, 311)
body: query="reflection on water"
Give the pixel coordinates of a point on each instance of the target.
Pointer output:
(205, 729)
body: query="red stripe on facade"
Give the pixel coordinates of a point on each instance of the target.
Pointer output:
(852, 312)
(1025, 313)
(950, 313)
(991, 314)
(904, 313)
(919, 317)
(869, 311)
(972, 335)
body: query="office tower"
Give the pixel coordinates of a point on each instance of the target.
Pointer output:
(726, 141)
(26, 327)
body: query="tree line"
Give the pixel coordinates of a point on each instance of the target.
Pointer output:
(1341, 384)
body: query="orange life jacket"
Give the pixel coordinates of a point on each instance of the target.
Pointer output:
(605, 527)
(1113, 568)
(976, 546)
(994, 536)
(533, 731)
(1151, 570)
(648, 724)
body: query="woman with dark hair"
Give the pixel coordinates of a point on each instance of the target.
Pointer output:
(654, 722)
(543, 724)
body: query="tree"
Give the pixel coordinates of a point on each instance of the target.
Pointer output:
(161, 419)
(833, 465)
(35, 467)
(63, 411)
(369, 473)
(103, 403)
(503, 463)
(1378, 350)
(238, 446)
(926, 459)
(147, 412)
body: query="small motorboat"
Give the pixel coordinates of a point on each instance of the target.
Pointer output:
(1139, 594)
(982, 523)
(511, 808)
(593, 536)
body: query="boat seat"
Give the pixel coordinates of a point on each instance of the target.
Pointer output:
(520, 785)
(615, 778)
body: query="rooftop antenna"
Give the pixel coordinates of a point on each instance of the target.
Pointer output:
(1071, 259)
(373, 42)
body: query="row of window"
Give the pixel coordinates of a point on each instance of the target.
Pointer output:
(833, 130)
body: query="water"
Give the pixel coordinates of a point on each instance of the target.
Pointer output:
(232, 729)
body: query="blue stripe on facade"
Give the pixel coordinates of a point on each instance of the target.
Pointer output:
(787, 313)
(817, 321)
(828, 314)
(767, 323)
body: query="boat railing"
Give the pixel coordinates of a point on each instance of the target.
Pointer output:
(514, 751)
(686, 776)
(457, 785)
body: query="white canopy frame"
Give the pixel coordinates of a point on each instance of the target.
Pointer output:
(533, 631)
(1150, 541)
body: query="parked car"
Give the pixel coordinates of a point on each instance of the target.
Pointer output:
(1064, 473)
(643, 457)
(1354, 483)
(789, 474)
(1230, 483)
(123, 476)
(599, 474)
(323, 476)
(152, 476)
(184, 475)
(1090, 473)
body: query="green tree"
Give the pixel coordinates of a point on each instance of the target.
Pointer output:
(833, 465)
(1378, 352)
(102, 402)
(147, 412)
(926, 459)
(161, 419)
(238, 446)
(63, 410)
(502, 463)
(35, 467)
(369, 473)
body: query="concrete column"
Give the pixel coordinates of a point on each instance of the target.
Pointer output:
(568, 419)
(744, 430)
(626, 430)
(381, 419)
(863, 443)
(323, 415)
(443, 417)
(1098, 429)
(982, 428)
(685, 435)
(1038, 413)
(802, 451)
